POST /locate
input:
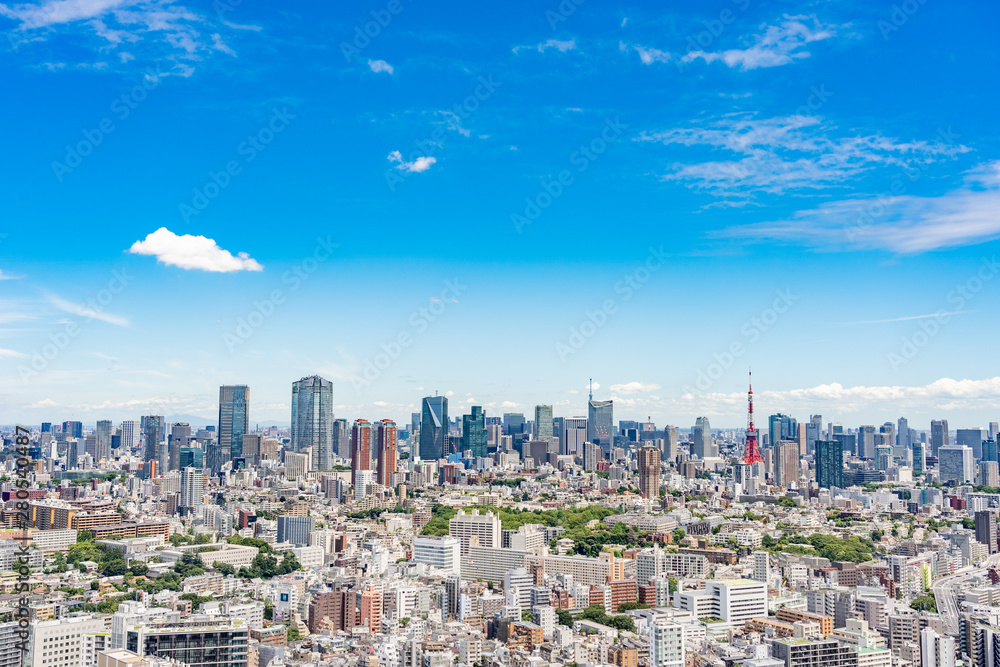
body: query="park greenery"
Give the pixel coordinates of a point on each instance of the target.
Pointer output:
(924, 603)
(854, 549)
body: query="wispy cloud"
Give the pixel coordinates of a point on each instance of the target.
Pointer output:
(908, 318)
(192, 252)
(7, 276)
(380, 66)
(418, 165)
(905, 224)
(82, 310)
(633, 388)
(777, 45)
(159, 30)
(11, 354)
(559, 45)
(785, 153)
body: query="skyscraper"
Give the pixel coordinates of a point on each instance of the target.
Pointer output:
(600, 424)
(971, 437)
(701, 439)
(573, 436)
(131, 435)
(829, 464)
(781, 427)
(361, 448)
(786, 464)
(671, 439)
(474, 432)
(234, 421)
(516, 427)
(192, 487)
(153, 428)
(939, 436)
(434, 428)
(919, 458)
(649, 471)
(866, 442)
(956, 464)
(341, 438)
(387, 440)
(295, 529)
(102, 448)
(903, 444)
(180, 435)
(543, 422)
(312, 420)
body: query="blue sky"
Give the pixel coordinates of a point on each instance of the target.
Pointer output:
(247, 193)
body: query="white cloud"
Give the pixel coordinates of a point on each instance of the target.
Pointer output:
(560, 45)
(85, 311)
(7, 276)
(470, 400)
(905, 224)
(162, 30)
(44, 403)
(449, 393)
(633, 388)
(192, 252)
(418, 165)
(595, 386)
(777, 45)
(380, 404)
(11, 354)
(649, 56)
(784, 153)
(380, 66)
(509, 404)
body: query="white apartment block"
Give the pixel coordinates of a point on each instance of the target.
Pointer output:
(443, 553)
(666, 644)
(59, 643)
(485, 527)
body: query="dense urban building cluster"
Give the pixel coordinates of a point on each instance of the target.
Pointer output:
(512, 540)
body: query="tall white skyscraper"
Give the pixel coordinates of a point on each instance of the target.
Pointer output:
(130, 435)
(701, 439)
(192, 487)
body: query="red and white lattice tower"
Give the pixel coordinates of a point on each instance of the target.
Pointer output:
(751, 453)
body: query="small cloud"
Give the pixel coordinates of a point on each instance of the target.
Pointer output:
(633, 388)
(44, 403)
(419, 165)
(513, 148)
(380, 66)
(624, 21)
(7, 276)
(380, 404)
(648, 56)
(560, 45)
(418, 389)
(449, 394)
(11, 354)
(85, 311)
(192, 252)
(470, 400)
(509, 404)
(595, 386)
(219, 45)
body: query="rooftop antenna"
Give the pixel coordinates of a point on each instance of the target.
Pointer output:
(591, 388)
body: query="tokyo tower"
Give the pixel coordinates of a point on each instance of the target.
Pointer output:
(751, 453)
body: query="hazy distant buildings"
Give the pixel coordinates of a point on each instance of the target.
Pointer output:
(434, 428)
(312, 420)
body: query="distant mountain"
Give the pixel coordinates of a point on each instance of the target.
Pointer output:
(195, 421)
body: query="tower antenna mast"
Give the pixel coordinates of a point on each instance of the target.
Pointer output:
(751, 453)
